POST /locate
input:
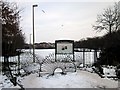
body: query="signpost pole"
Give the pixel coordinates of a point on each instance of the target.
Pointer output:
(33, 35)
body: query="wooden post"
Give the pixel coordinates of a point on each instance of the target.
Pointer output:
(83, 57)
(95, 55)
(55, 57)
(18, 64)
(73, 57)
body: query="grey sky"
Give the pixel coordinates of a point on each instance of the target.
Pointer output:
(61, 20)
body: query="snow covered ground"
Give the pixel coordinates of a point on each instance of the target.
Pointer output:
(5, 82)
(79, 79)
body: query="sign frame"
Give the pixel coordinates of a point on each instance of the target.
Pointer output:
(67, 42)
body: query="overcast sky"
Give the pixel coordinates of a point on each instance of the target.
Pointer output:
(61, 19)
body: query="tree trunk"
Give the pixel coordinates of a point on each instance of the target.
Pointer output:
(5, 64)
(110, 29)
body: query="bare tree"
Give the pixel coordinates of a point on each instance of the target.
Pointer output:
(117, 16)
(108, 20)
(12, 37)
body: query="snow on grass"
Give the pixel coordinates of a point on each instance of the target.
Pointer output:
(79, 79)
(109, 71)
(5, 82)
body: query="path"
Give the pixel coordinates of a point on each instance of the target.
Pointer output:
(79, 79)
